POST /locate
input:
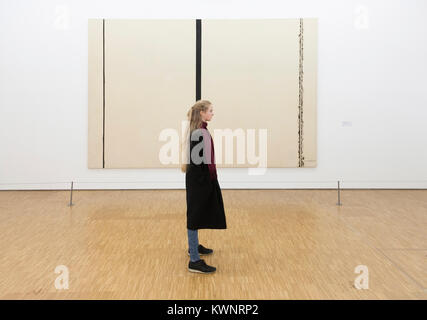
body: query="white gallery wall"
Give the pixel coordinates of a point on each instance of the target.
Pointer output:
(371, 104)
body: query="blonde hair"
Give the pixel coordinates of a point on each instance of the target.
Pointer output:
(194, 122)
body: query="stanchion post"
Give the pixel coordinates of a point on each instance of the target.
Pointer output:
(339, 196)
(71, 195)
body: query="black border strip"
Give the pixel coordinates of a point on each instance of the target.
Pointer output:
(198, 59)
(214, 309)
(103, 93)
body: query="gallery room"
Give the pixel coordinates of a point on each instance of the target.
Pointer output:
(213, 150)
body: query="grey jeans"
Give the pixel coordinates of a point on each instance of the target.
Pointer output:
(193, 243)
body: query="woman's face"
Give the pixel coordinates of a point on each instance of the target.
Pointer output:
(208, 114)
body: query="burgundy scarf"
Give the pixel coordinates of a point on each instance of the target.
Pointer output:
(209, 146)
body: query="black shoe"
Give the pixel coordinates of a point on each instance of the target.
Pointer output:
(200, 266)
(202, 250)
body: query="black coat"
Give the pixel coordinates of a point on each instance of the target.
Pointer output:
(205, 207)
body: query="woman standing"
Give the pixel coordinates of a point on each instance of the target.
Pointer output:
(205, 208)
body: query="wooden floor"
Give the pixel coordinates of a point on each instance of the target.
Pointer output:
(280, 244)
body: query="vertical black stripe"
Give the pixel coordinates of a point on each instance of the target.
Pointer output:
(103, 93)
(198, 59)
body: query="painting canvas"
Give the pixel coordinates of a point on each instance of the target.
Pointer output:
(259, 74)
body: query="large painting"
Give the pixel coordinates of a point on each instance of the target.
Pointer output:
(259, 74)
